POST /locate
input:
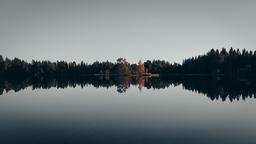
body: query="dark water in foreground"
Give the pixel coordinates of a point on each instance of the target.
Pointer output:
(156, 110)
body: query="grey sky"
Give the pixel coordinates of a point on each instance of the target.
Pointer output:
(92, 30)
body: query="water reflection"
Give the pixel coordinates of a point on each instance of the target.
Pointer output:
(213, 87)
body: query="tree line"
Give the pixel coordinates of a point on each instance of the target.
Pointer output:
(224, 62)
(232, 62)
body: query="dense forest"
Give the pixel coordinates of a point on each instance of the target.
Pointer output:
(225, 74)
(224, 62)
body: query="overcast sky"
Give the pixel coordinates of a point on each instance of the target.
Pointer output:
(101, 30)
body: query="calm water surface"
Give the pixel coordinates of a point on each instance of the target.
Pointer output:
(102, 115)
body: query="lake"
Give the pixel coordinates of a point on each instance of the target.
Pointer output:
(147, 110)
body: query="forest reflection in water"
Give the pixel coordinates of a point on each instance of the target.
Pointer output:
(214, 88)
